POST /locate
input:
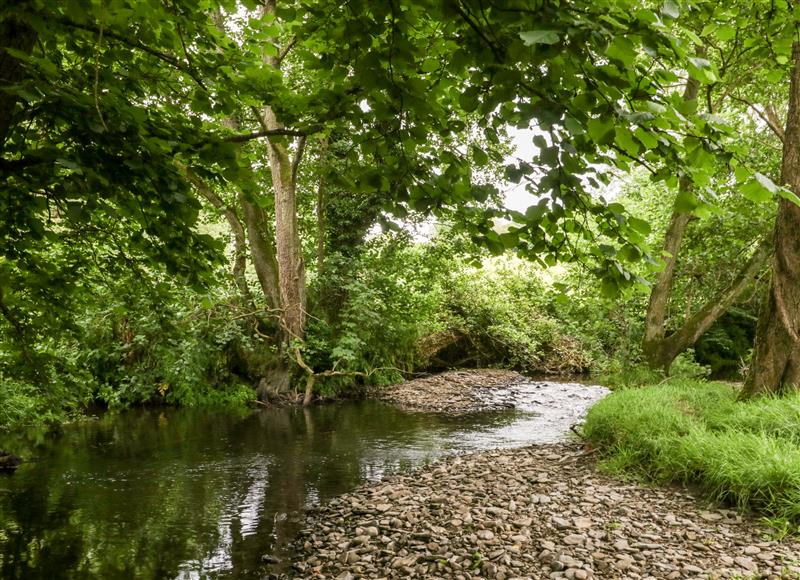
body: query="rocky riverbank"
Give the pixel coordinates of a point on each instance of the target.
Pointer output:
(454, 392)
(535, 512)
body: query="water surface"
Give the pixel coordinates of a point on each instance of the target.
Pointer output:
(191, 494)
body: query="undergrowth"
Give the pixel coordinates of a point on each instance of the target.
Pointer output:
(745, 454)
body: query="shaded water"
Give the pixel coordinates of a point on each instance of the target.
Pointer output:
(188, 494)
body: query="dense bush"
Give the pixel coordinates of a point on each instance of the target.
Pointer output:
(742, 453)
(375, 308)
(162, 345)
(374, 312)
(138, 344)
(397, 297)
(501, 310)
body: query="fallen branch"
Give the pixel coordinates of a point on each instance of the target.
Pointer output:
(312, 375)
(574, 429)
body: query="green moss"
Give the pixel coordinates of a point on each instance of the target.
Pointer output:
(745, 454)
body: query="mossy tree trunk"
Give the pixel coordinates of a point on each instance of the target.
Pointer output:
(775, 368)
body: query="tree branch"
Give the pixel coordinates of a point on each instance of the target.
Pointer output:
(286, 50)
(298, 157)
(774, 120)
(241, 138)
(769, 116)
(240, 241)
(137, 44)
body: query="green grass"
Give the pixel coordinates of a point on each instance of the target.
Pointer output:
(745, 454)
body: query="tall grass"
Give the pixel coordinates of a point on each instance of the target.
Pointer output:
(742, 453)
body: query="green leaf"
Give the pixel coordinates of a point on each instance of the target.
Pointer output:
(609, 289)
(726, 32)
(468, 100)
(686, 202)
(647, 139)
(767, 183)
(789, 195)
(601, 130)
(479, 156)
(626, 141)
(606, 250)
(742, 173)
(622, 50)
(630, 253)
(641, 226)
(430, 65)
(509, 240)
(67, 163)
(702, 70)
(759, 189)
(531, 37)
(671, 9)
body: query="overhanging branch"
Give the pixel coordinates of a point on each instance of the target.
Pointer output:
(139, 45)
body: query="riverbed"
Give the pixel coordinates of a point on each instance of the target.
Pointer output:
(188, 494)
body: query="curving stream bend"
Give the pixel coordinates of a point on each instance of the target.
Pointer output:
(190, 494)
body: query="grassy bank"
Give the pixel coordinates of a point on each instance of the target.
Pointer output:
(689, 431)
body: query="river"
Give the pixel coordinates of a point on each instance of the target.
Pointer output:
(196, 494)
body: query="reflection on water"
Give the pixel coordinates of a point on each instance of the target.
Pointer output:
(189, 494)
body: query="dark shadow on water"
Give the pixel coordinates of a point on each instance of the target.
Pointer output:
(166, 493)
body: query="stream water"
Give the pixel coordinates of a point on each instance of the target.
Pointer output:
(195, 494)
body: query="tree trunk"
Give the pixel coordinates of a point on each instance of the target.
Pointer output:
(655, 320)
(19, 36)
(320, 208)
(291, 270)
(661, 353)
(239, 239)
(262, 251)
(289, 266)
(776, 358)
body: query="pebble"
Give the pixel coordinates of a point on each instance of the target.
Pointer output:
(451, 393)
(481, 515)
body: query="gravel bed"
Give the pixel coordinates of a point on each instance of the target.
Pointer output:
(453, 392)
(535, 512)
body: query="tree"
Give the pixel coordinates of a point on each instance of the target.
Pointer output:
(776, 358)
(92, 118)
(411, 99)
(660, 347)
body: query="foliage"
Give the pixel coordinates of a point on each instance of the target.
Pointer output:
(397, 293)
(140, 341)
(501, 310)
(164, 345)
(386, 298)
(686, 431)
(22, 405)
(60, 387)
(621, 373)
(119, 119)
